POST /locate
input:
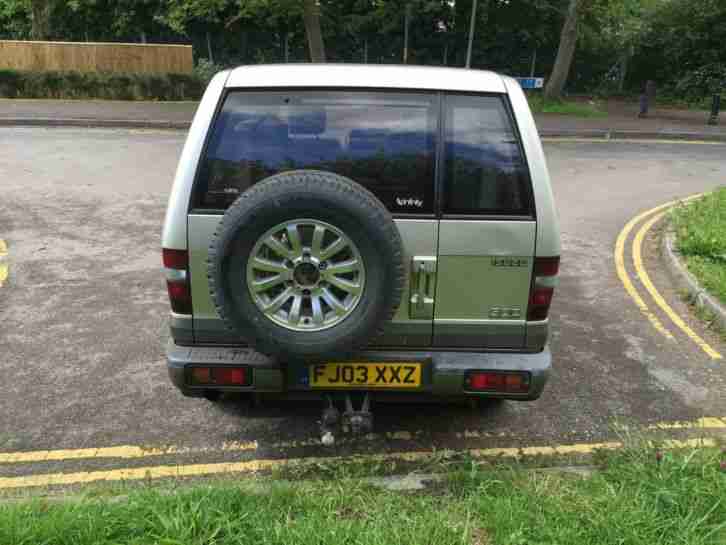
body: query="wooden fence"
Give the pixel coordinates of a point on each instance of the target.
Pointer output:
(96, 57)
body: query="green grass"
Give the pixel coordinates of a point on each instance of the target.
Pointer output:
(701, 239)
(579, 109)
(635, 499)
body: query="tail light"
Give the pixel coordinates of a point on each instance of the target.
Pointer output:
(220, 376)
(492, 381)
(544, 281)
(176, 268)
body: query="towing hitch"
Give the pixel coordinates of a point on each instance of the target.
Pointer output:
(353, 422)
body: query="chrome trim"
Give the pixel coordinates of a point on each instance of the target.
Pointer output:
(423, 287)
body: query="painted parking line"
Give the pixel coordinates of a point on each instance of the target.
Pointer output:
(655, 294)
(122, 451)
(135, 451)
(3, 264)
(623, 273)
(254, 466)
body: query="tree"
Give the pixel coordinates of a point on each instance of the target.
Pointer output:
(565, 52)
(311, 17)
(40, 16)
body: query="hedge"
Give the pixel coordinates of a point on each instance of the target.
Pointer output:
(77, 85)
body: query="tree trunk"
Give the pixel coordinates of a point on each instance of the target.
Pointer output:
(365, 51)
(311, 17)
(623, 70)
(209, 48)
(565, 52)
(406, 22)
(143, 36)
(40, 12)
(472, 26)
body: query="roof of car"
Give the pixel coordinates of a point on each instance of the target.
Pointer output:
(377, 76)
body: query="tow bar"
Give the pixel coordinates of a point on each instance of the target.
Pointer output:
(351, 421)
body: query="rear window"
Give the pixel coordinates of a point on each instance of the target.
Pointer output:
(384, 141)
(484, 168)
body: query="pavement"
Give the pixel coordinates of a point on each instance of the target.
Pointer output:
(621, 121)
(83, 322)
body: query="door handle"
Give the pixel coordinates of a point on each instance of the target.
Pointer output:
(422, 288)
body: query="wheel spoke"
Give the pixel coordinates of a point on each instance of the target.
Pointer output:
(277, 302)
(267, 283)
(294, 317)
(318, 234)
(333, 303)
(317, 309)
(353, 288)
(293, 235)
(333, 248)
(305, 275)
(262, 264)
(351, 265)
(278, 247)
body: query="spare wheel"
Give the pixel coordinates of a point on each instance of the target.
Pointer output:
(306, 265)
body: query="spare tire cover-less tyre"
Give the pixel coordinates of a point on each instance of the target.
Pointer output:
(306, 264)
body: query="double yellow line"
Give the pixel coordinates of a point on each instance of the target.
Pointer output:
(3, 265)
(657, 213)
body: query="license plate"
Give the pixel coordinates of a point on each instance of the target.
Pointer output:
(365, 375)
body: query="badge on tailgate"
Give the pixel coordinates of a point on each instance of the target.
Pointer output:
(365, 375)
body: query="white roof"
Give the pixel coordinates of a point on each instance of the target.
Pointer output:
(381, 76)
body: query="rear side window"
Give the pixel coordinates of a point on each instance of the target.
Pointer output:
(384, 141)
(484, 168)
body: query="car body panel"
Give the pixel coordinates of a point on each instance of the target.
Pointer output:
(374, 76)
(480, 266)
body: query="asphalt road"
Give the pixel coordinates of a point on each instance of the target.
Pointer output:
(83, 312)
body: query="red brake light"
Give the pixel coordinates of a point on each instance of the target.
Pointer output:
(543, 287)
(175, 259)
(546, 266)
(220, 376)
(176, 264)
(488, 381)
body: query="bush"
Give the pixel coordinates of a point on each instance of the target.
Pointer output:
(77, 85)
(702, 82)
(206, 69)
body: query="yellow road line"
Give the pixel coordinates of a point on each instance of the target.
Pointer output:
(122, 451)
(655, 294)
(3, 266)
(701, 423)
(623, 273)
(252, 466)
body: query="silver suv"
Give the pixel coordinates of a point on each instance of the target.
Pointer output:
(379, 229)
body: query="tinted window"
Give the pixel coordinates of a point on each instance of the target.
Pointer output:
(384, 141)
(484, 170)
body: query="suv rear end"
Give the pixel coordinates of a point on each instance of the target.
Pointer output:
(454, 158)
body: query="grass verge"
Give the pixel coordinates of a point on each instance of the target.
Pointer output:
(701, 239)
(640, 496)
(579, 109)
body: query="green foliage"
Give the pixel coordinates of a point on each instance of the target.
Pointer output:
(566, 107)
(681, 44)
(640, 497)
(76, 85)
(701, 238)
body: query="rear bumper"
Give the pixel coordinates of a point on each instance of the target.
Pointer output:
(444, 372)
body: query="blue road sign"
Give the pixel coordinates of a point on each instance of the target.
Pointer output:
(531, 83)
